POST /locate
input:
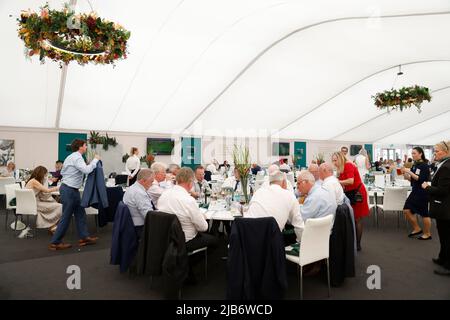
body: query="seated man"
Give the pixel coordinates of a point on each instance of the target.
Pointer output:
(224, 167)
(255, 169)
(56, 175)
(234, 182)
(274, 168)
(284, 166)
(170, 176)
(331, 183)
(319, 201)
(156, 189)
(200, 184)
(137, 199)
(314, 170)
(275, 201)
(178, 201)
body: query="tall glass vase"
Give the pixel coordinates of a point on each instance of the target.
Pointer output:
(244, 181)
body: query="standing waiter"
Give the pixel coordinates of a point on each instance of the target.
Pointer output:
(73, 172)
(439, 193)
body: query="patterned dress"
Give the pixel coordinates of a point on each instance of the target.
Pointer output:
(49, 211)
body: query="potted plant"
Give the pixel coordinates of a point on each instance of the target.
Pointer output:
(320, 158)
(95, 138)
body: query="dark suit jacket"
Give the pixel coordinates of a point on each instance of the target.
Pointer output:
(439, 193)
(342, 253)
(94, 193)
(162, 249)
(256, 260)
(124, 242)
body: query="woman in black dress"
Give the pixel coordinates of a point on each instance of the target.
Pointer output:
(417, 202)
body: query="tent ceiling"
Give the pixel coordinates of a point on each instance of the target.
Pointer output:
(243, 68)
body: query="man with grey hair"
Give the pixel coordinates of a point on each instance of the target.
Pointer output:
(137, 198)
(331, 183)
(275, 201)
(156, 189)
(319, 201)
(314, 169)
(178, 201)
(274, 168)
(170, 176)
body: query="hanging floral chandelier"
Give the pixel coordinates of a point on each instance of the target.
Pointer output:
(403, 98)
(64, 36)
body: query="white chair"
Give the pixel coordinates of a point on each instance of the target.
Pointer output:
(10, 190)
(379, 180)
(260, 175)
(25, 204)
(314, 246)
(394, 200)
(5, 181)
(372, 204)
(90, 211)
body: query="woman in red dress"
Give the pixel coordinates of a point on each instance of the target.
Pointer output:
(350, 180)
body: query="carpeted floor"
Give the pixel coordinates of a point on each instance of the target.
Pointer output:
(29, 271)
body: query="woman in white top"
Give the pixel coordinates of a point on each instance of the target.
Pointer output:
(49, 211)
(133, 165)
(8, 171)
(363, 163)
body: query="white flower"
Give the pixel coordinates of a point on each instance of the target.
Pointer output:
(397, 95)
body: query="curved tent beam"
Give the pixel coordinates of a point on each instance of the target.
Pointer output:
(275, 43)
(380, 115)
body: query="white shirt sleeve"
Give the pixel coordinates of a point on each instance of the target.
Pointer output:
(83, 167)
(197, 218)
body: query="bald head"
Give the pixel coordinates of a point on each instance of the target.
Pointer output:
(314, 169)
(325, 171)
(273, 168)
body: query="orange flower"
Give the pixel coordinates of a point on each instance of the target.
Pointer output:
(44, 13)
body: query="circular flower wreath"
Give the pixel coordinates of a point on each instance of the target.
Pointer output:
(64, 37)
(403, 98)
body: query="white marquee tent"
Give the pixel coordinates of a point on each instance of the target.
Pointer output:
(286, 68)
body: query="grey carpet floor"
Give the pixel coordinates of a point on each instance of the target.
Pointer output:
(29, 271)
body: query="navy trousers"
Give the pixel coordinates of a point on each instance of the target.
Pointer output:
(70, 199)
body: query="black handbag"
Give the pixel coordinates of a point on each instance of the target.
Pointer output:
(355, 196)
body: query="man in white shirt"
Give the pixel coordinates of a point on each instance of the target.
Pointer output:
(234, 182)
(138, 200)
(275, 201)
(156, 190)
(331, 183)
(178, 201)
(319, 201)
(200, 184)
